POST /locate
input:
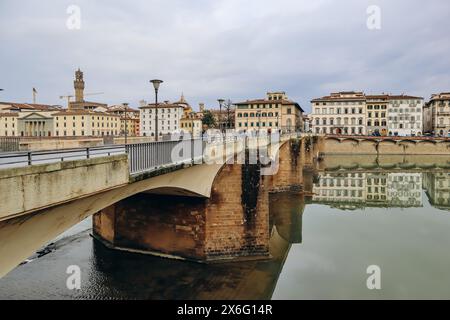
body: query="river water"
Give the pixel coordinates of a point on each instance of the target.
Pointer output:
(322, 243)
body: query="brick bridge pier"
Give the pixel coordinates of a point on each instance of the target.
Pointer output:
(233, 223)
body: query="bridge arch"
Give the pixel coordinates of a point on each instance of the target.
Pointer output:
(333, 138)
(350, 139)
(25, 234)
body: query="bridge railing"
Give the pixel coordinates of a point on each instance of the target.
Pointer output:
(153, 155)
(28, 158)
(9, 144)
(150, 155)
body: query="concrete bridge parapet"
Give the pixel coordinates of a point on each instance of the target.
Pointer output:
(32, 188)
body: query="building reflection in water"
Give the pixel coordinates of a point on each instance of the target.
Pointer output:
(437, 186)
(351, 190)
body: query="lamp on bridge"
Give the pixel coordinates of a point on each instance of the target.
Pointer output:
(156, 84)
(221, 101)
(125, 107)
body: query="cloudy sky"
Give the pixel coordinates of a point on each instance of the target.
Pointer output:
(210, 49)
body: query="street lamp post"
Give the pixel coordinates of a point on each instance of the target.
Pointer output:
(259, 120)
(125, 105)
(156, 84)
(221, 101)
(278, 122)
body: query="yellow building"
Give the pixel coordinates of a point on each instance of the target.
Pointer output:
(191, 124)
(129, 119)
(129, 124)
(26, 119)
(8, 124)
(376, 114)
(86, 123)
(274, 112)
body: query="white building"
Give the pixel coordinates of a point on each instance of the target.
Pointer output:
(405, 115)
(339, 113)
(354, 113)
(169, 116)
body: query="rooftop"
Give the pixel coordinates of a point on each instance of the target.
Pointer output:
(359, 96)
(30, 106)
(83, 112)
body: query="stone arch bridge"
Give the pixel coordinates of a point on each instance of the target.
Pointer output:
(188, 210)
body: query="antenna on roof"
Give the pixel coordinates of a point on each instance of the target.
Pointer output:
(34, 95)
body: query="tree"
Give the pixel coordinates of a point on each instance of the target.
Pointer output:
(229, 120)
(208, 119)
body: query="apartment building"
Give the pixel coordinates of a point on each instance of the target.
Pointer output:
(169, 117)
(275, 112)
(376, 114)
(437, 114)
(129, 119)
(8, 124)
(355, 113)
(191, 125)
(339, 113)
(405, 115)
(85, 123)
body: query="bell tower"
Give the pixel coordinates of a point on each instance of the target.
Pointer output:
(79, 86)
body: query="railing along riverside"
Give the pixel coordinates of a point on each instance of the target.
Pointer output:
(149, 156)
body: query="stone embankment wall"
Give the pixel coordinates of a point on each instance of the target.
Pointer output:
(395, 146)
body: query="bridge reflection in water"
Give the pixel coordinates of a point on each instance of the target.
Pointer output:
(343, 182)
(112, 274)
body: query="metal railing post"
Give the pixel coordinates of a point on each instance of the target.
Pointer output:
(192, 150)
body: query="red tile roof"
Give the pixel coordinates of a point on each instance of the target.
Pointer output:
(30, 106)
(83, 112)
(363, 97)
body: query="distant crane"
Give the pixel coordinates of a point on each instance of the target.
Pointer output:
(69, 96)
